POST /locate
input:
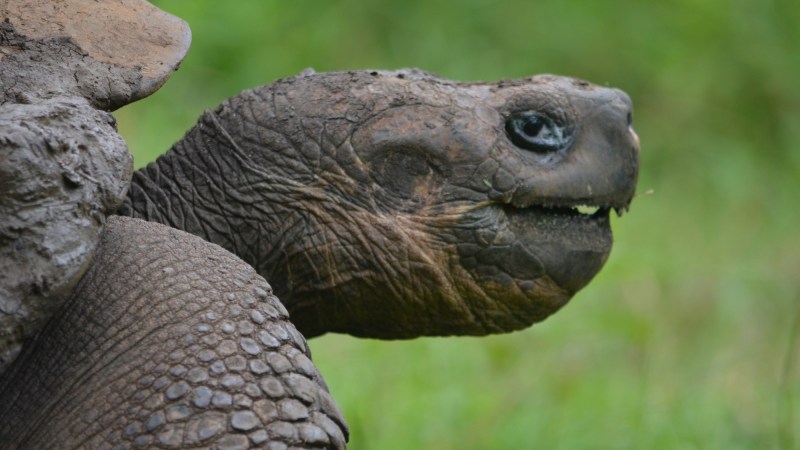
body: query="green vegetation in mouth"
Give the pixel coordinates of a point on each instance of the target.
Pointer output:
(587, 209)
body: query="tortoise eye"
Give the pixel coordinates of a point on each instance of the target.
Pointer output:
(535, 131)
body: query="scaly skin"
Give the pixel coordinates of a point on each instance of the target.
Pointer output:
(397, 204)
(168, 341)
(379, 204)
(386, 204)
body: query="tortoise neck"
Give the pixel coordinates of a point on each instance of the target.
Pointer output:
(212, 185)
(205, 187)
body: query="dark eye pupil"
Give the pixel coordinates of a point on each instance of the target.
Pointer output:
(533, 126)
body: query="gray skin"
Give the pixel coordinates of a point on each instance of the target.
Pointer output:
(385, 204)
(64, 169)
(168, 341)
(395, 204)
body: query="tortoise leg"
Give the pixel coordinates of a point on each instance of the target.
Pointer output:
(167, 341)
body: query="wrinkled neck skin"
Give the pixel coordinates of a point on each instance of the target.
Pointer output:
(378, 209)
(290, 197)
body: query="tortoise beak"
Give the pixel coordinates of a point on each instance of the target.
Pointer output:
(600, 168)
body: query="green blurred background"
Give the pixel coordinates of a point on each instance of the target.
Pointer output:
(688, 339)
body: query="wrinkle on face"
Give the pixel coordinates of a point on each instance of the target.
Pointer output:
(430, 165)
(397, 206)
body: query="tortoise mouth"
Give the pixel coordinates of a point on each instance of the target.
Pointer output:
(583, 211)
(592, 207)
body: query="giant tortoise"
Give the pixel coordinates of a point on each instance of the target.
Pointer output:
(385, 204)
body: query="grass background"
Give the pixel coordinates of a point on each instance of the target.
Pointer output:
(690, 336)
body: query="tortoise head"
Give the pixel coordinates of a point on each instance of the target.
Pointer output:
(398, 204)
(459, 208)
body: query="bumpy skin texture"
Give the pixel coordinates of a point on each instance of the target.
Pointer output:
(397, 204)
(385, 204)
(168, 341)
(63, 169)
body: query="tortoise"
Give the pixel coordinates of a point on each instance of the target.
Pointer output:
(385, 204)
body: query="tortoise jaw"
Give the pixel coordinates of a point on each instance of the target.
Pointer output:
(571, 237)
(571, 245)
(535, 259)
